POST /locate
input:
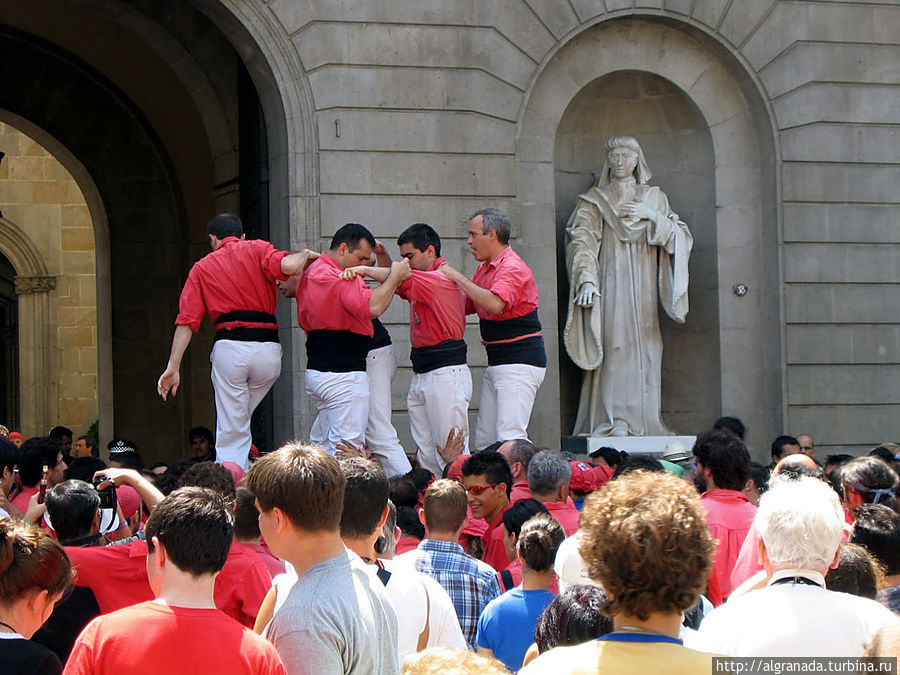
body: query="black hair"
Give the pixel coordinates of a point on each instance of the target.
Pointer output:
(732, 424)
(779, 443)
(421, 236)
(638, 462)
(420, 478)
(246, 515)
(877, 527)
(760, 475)
(519, 513)
(91, 442)
(857, 573)
(492, 465)
(882, 452)
(72, 506)
(539, 540)
(203, 432)
(409, 523)
(196, 527)
(351, 234)
(726, 456)
(9, 455)
(611, 456)
(403, 492)
(34, 454)
(84, 468)
(168, 482)
(365, 496)
(574, 616)
(225, 225)
(209, 475)
(60, 432)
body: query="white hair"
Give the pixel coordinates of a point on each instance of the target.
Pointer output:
(801, 523)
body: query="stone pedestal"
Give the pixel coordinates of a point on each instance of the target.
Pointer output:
(633, 445)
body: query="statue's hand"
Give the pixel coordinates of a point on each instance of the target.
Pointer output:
(637, 210)
(586, 295)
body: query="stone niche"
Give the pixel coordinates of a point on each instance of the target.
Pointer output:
(679, 150)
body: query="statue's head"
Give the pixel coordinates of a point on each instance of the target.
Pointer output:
(614, 147)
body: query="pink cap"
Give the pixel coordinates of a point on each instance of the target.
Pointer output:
(236, 472)
(128, 499)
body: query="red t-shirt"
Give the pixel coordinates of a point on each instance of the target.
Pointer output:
(118, 577)
(20, 501)
(510, 279)
(566, 515)
(327, 302)
(729, 516)
(239, 275)
(273, 565)
(494, 549)
(519, 491)
(437, 307)
(156, 638)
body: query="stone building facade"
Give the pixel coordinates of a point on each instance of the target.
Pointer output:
(772, 125)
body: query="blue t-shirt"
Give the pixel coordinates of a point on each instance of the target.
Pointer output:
(506, 626)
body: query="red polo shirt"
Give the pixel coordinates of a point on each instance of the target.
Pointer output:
(437, 307)
(239, 275)
(509, 278)
(20, 501)
(729, 515)
(519, 491)
(327, 302)
(566, 515)
(494, 549)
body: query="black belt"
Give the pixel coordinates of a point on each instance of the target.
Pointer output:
(247, 333)
(446, 353)
(246, 316)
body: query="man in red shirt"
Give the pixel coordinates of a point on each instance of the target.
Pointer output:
(504, 294)
(441, 386)
(723, 469)
(34, 455)
(188, 539)
(548, 477)
(487, 480)
(519, 454)
(235, 285)
(337, 317)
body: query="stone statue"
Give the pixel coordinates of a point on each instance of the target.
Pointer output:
(624, 249)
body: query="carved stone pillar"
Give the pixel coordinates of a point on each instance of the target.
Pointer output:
(37, 387)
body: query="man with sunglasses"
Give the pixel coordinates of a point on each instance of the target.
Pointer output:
(488, 481)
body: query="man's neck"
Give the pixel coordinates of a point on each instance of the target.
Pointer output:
(664, 624)
(364, 547)
(309, 549)
(452, 537)
(489, 518)
(496, 254)
(182, 589)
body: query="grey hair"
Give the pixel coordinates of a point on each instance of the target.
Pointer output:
(547, 472)
(801, 523)
(492, 219)
(642, 173)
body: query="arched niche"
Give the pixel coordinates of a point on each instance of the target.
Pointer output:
(745, 219)
(679, 150)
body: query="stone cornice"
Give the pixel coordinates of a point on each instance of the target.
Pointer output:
(35, 284)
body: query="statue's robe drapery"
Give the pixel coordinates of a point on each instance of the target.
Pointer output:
(634, 264)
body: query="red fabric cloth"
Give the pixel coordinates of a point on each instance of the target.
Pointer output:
(118, 577)
(155, 638)
(510, 279)
(604, 475)
(239, 275)
(437, 307)
(566, 515)
(519, 491)
(729, 516)
(20, 501)
(515, 569)
(273, 565)
(327, 302)
(584, 478)
(405, 544)
(492, 539)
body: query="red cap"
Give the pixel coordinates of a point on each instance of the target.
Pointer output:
(583, 477)
(128, 499)
(16, 436)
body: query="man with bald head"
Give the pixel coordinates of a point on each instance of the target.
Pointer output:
(518, 453)
(806, 445)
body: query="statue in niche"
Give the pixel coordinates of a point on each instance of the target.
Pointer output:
(624, 249)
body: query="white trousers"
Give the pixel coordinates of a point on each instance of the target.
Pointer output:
(438, 401)
(342, 400)
(507, 396)
(242, 374)
(381, 436)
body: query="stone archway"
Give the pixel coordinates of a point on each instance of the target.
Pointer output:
(746, 215)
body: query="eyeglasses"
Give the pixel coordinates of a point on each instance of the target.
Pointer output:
(477, 490)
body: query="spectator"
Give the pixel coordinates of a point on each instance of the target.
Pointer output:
(782, 447)
(573, 617)
(203, 445)
(123, 454)
(807, 447)
(34, 574)
(64, 435)
(412, 531)
(758, 482)
(16, 438)
(34, 455)
(9, 460)
(246, 530)
(723, 469)
(513, 519)
(857, 572)
(488, 480)
(471, 583)
(644, 539)
(337, 616)
(86, 446)
(519, 454)
(877, 527)
(549, 474)
(801, 524)
(732, 424)
(188, 540)
(506, 626)
(606, 456)
(868, 480)
(638, 463)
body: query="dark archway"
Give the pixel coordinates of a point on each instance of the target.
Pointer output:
(9, 347)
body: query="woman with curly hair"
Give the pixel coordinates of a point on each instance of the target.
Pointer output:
(645, 540)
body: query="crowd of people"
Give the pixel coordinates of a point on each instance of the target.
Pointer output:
(345, 555)
(513, 559)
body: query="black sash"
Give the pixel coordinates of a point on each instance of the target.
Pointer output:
(446, 353)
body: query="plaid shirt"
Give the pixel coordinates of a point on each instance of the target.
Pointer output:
(470, 583)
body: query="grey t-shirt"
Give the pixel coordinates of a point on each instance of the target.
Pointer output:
(337, 619)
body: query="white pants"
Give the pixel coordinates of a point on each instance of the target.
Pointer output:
(507, 396)
(381, 436)
(242, 374)
(342, 400)
(438, 401)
